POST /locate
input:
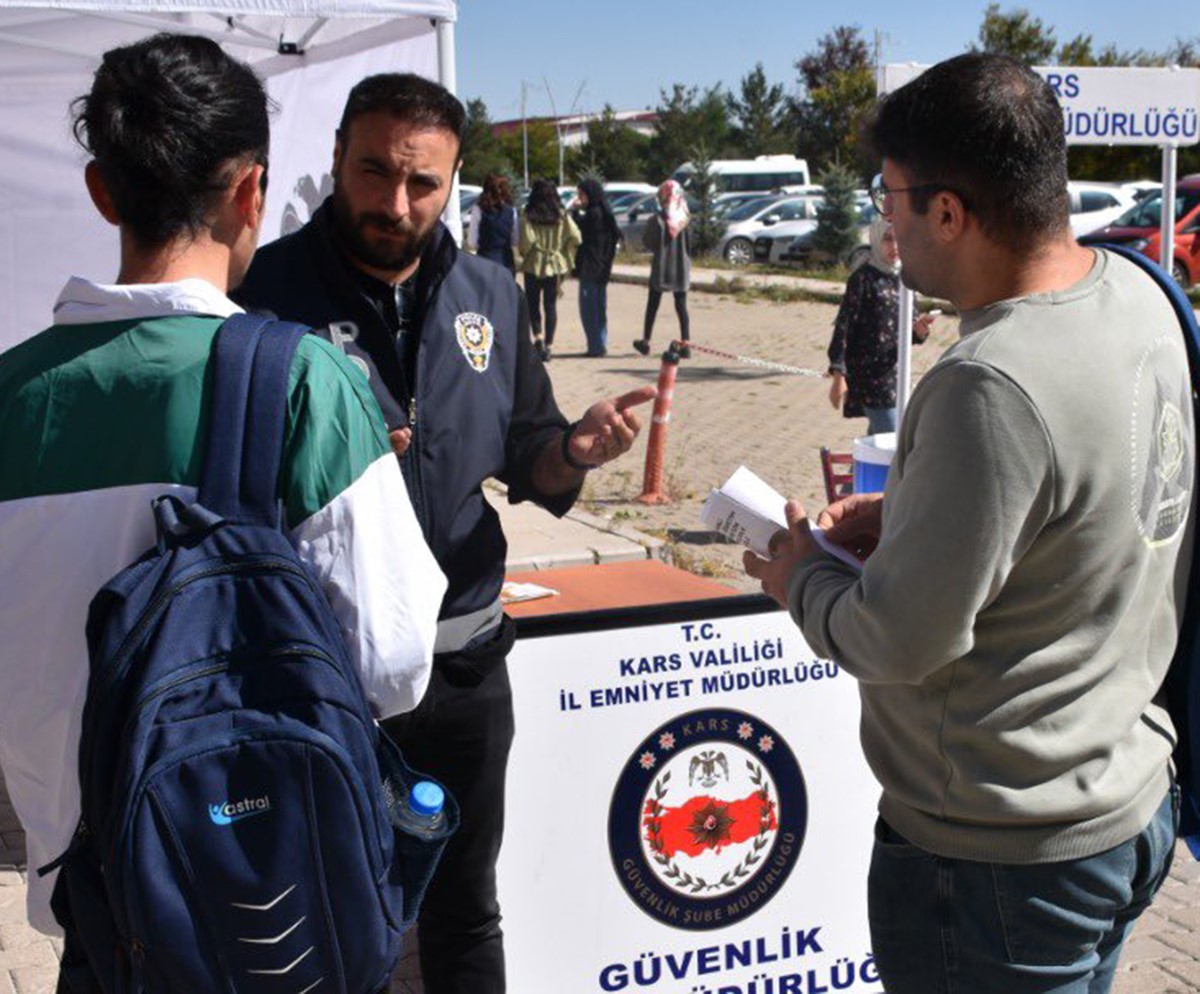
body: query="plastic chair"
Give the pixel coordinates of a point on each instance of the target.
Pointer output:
(838, 469)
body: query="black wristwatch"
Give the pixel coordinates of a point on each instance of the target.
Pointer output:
(569, 459)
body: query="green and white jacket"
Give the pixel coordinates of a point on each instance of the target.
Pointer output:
(103, 412)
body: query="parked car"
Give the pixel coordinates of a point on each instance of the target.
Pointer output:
(632, 222)
(1139, 229)
(744, 224)
(728, 202)
(771, 244)
(1141, 188)
(795, 247)
(623, 201)
(1095, 205)
(613, 189)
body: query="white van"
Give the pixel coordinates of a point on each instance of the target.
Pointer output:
(765, 174)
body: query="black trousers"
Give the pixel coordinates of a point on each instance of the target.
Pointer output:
(681, 312)
(542, 291)
(460, 734)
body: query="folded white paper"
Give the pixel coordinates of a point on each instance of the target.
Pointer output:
(513, 592)
(747, 510)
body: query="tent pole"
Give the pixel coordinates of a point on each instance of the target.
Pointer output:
(446, 64)
(448, 71)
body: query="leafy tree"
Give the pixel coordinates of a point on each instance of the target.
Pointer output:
(612, 151)
(759, 114)
(686, 119)
(837, 89)
(837, 218)
(543, 150)
(482, 151)
(842, 50)
(705, 229)
(1017, 34)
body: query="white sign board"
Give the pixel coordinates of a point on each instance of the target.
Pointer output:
(1109, 106)
(688, 812)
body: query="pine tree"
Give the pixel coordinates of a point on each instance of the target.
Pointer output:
(837, 218)
(705, 229)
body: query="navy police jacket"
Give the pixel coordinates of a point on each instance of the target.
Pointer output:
(479, 402)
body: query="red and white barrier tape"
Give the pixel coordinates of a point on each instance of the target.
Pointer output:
(777, 367)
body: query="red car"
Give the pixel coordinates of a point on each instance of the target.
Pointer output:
(1140, 229)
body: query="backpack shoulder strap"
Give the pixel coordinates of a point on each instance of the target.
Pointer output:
(251, 363)
(1178, 299)
(1183, 677)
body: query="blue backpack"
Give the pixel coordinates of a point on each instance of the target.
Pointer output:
(1183, 677)
(240, 827)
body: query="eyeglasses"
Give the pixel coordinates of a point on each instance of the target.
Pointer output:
(880, 192)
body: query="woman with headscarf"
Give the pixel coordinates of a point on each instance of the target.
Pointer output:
(666, 240)
(547, 246)
(594, 262)
(862, 351)
(492, 223)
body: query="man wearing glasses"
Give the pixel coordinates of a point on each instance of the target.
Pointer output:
(1040, 506)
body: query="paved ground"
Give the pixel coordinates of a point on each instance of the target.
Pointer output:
(725, 413)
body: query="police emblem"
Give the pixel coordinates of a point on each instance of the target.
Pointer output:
(707, 819)
(475, 337)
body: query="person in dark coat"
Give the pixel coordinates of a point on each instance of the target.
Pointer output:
(594, 262)
(492, 227)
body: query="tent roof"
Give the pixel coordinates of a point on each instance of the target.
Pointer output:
(269, 34)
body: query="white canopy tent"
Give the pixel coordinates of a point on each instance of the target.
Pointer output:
(309, 52)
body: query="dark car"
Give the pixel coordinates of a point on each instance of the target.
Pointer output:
(1139, 228)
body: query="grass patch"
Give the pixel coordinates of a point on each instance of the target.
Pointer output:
(696, 562)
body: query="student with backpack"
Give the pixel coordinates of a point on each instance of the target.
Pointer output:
(114, 407)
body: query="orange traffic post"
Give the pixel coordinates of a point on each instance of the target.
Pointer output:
(656, 450)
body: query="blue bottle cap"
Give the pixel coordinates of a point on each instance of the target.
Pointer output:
(426, 798)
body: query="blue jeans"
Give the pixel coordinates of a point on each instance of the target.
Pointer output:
(880, 419)
(593, 312)
(952, 926)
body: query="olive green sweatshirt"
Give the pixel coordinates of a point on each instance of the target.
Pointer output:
(547, 249)
(1012, 631)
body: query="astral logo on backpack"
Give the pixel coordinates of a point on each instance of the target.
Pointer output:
(237, 796)
(228, 813)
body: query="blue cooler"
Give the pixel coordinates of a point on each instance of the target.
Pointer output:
(872, 457)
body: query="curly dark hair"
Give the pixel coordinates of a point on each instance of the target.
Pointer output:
(168, 121)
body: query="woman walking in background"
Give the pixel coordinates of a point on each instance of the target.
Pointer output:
(547, 248)
(862, 351)
(666, 239)
(593, 264)
(492, 223)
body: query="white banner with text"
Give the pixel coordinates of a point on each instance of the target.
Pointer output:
(688, 812)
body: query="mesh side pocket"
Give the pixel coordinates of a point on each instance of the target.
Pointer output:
(416, 855)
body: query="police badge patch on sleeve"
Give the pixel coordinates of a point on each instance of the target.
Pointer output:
(475, 337)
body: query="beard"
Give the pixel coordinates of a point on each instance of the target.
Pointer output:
(377, 240)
